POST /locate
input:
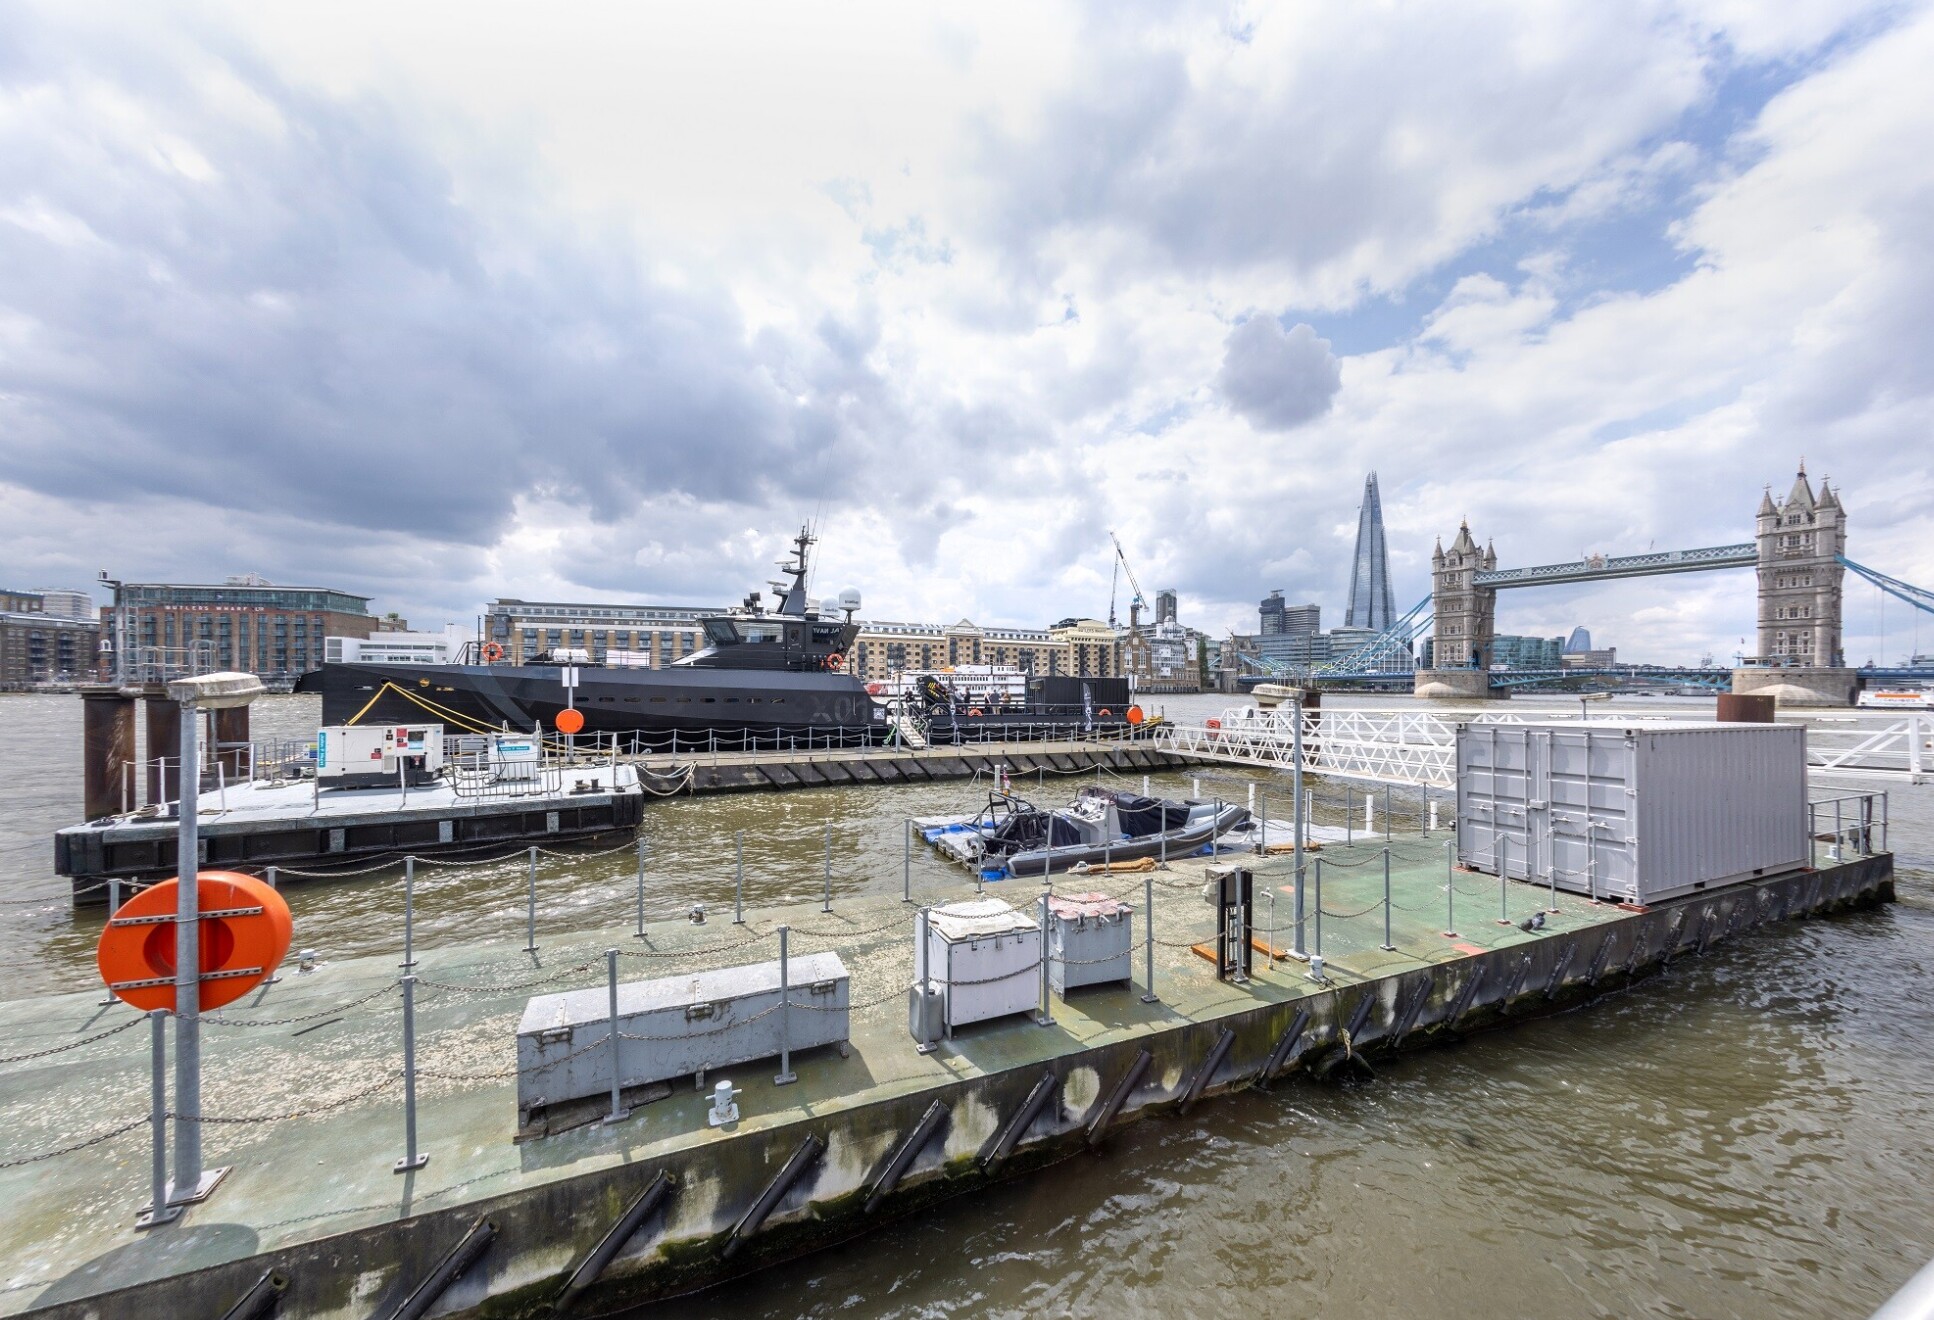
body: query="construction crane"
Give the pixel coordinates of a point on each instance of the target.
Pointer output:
(1135, 603)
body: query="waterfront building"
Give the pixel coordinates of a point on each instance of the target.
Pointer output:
(37, 647)
(1579, 641)
(67, 603)
(654, 636)
(1371, 605)
(244, 624)
(1605, 658)
(1165, 601)
(1518, 652)
(21, 602)
(1281, 619)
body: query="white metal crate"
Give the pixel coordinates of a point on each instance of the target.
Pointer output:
(1090, 940)
(1634, 812)
(985, 956)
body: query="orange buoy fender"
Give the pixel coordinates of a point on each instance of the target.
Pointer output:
(570, 720)
(245, 931)
(1135, 715)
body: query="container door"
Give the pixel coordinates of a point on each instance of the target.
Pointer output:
(1537, 805)
(1511, 793)
(1567, 811)
(1612, 764)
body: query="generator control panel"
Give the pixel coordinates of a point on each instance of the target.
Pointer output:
(379, 755)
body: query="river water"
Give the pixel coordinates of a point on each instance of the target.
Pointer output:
(1750, 1135)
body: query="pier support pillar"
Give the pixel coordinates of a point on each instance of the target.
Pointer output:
(231, 740)
(1798, 686)
(107, 749)
(1454, 684)
(164, 738)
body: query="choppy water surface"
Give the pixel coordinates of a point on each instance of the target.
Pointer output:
(1750, 1135)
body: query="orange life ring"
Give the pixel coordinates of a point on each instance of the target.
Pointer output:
(1104, 712)
(973, 710)
(245, 932)
(492, 653)
(1135, 715)
(835, 660)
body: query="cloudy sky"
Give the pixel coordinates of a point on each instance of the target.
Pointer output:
(602, 302)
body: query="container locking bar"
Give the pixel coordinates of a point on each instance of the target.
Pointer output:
(640, 1209)
(461, 1257)
(1279, 1054)
(168, 918)
(904, 1153)
(259, 1300)
(1124, 1088)
(1010, 1136)
(226, 975)
(1217, 1053)
(804, 1157)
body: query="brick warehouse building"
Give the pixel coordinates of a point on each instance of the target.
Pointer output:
(246, 624)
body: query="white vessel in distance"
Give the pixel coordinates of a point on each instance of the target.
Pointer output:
(1898, 696)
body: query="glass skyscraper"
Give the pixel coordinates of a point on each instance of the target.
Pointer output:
(1370, 603)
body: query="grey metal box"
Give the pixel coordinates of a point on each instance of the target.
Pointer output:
(700, 1020)
(1090, 940)
(986, 957)
(1635, 812)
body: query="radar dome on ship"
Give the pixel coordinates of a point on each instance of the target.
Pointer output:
(849, 599)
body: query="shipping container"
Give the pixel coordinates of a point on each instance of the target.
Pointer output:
(1632, 812)
(985, 958)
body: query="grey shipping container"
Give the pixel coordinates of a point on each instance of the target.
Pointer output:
(701, 1020)
(1632, 812)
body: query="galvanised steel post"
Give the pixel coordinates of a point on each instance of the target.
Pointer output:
(1504, 899)
(411, 1159)
(1386, 813)
(530, 910)
(409, 913)
(188, 1170)
(1450, 888)
(1148, 940)
(906, 862)
(1045, 1017)
(738, 882)
(827, 905)
(1318, 948)
(159, 1211)
(786, 1075)
(1839, 832)
(1215, 830)
(640, 933)
(618, 1112)
(1298, 820)
(921, 927)
(1387, 945)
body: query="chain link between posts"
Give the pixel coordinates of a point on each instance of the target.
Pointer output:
(74, 1044)
(82, 1144)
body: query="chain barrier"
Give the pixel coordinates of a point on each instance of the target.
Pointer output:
(75, 1044)
(899, 922)
(82, 1144)
(1348, 916)
(216, 1018)
(52, 903)
(602, 1042)
(511, 988)
(693, 953)
(586, 856)
(324, 1108)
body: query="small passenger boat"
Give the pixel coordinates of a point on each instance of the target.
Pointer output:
(1011, 837)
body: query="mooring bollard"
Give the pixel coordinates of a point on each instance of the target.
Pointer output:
(530, 909)
(827, 904)
(409, 913)
(786, 1075)
(1387, 945)
(906, 862)
(1046, 1016)
(411, 1158)
(1148, 940)
(639, 934)
(1450, 888)
(738, 878)
(159, 1211)
(618, 1112)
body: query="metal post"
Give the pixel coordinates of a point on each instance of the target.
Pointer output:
(738, 882)
(1839, 831)
(409, 913)
(1148, 939)
(906, 862)
(1317, 948)
(1504, 899)
(921, 926)
(1387, 945)
(1045, 1017)
(786, 1075)
(411, 1159)
(1450, 888)
(827, 905)
(1386, 813)
(618, 1112)
(1812, 837)
(1215, 830)
(640, 934)
(188, 1169)
(159, 1211)
(1262, 839)
(530, 911)
(1552, 866)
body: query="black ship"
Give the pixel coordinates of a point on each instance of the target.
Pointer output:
(765, 678)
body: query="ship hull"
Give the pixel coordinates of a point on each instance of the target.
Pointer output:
(697, 707)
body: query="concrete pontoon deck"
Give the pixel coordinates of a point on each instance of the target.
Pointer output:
(303, 1091)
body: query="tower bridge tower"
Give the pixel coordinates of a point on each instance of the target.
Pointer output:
(1800, 541)
(1465, 613)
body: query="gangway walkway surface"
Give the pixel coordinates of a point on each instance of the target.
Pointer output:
(1419, 748)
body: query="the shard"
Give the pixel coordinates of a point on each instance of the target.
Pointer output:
(1370, 602)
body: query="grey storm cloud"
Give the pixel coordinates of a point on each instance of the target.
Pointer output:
(1278, 379)
(285, 306)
